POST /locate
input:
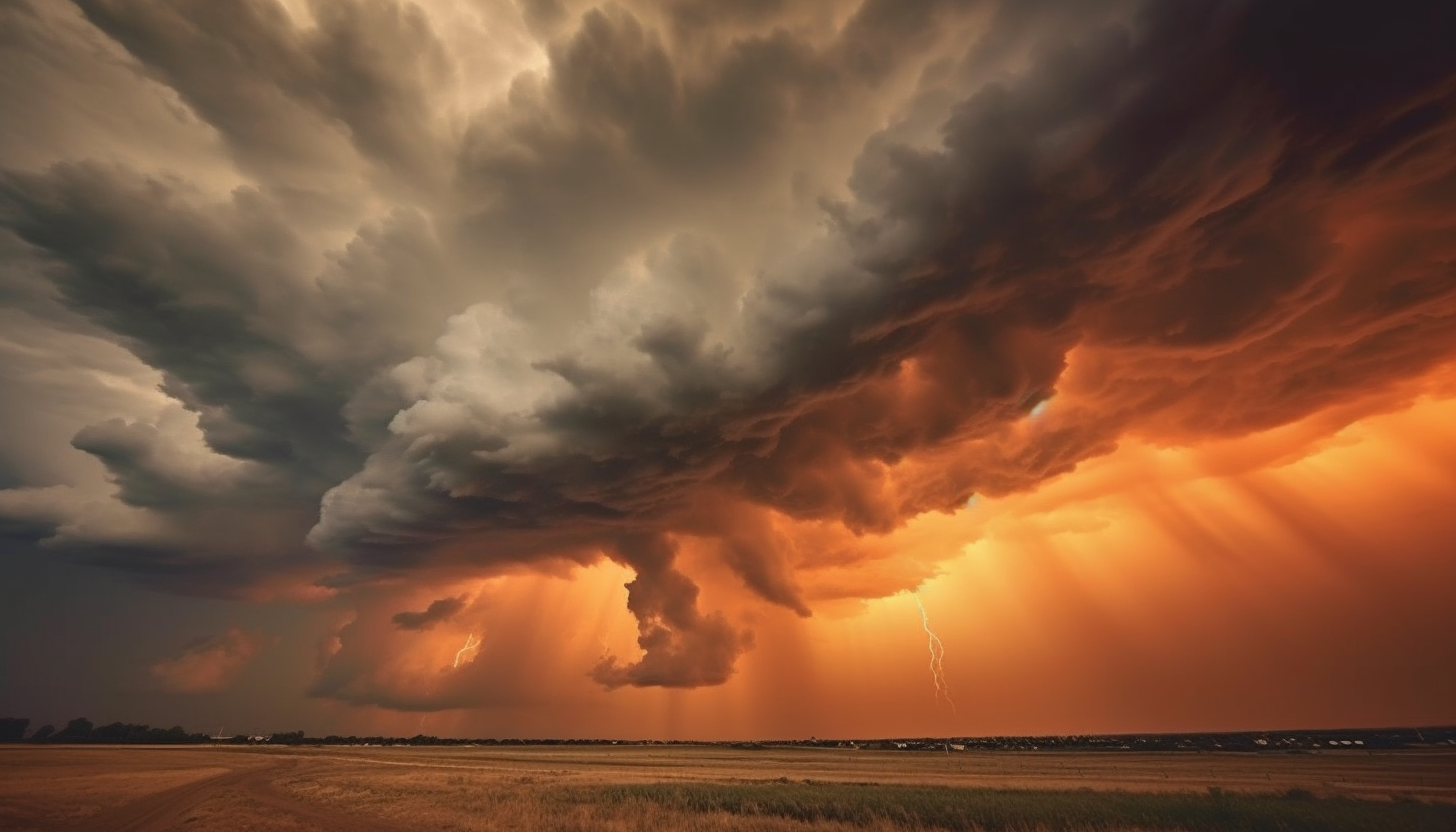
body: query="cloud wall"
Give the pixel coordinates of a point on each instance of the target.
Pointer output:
(376, 299)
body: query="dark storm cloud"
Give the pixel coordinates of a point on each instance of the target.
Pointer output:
(622, 142)
(193, 291)
(442, 609)
(279, 94)
(681, 646)
(637, 299)
(129, 451)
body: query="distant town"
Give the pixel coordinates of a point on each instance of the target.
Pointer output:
(14, 729)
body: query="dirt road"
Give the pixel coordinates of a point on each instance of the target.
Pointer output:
(249, 790)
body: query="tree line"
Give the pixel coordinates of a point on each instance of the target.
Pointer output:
(12, 729)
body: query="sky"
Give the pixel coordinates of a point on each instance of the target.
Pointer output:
(694, 370)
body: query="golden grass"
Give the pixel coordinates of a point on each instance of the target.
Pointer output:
(562, 790)
(38, 786)
(621, 788)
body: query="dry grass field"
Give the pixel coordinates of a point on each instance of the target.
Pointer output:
(556, 789)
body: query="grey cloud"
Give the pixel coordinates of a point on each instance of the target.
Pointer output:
(72, 93)
(279, 94)
(544, 17)
(193, 291)
(129, 451)
(625, 142)
(30, 515)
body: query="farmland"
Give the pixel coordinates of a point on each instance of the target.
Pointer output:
(630, 787)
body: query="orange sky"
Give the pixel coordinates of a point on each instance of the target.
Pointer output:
(1292, 578)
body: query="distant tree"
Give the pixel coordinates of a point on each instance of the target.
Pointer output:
(12, 728)
(115, 732)
(77, 730)
(81, 730)
(290, 738)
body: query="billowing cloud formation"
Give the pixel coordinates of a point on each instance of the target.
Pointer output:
(442, 609)
(771, 281)
(207, 665)
(681, 646)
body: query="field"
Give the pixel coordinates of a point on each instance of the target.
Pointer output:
(561, 788)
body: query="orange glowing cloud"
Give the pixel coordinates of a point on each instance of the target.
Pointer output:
(208, 665)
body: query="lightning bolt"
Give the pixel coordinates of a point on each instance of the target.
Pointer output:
(471, 642)
(937, 656)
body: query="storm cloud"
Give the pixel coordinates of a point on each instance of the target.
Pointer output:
(442, 609)
(668, 273)
(207, 665)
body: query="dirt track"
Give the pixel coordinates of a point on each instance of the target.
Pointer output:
(251, 785)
